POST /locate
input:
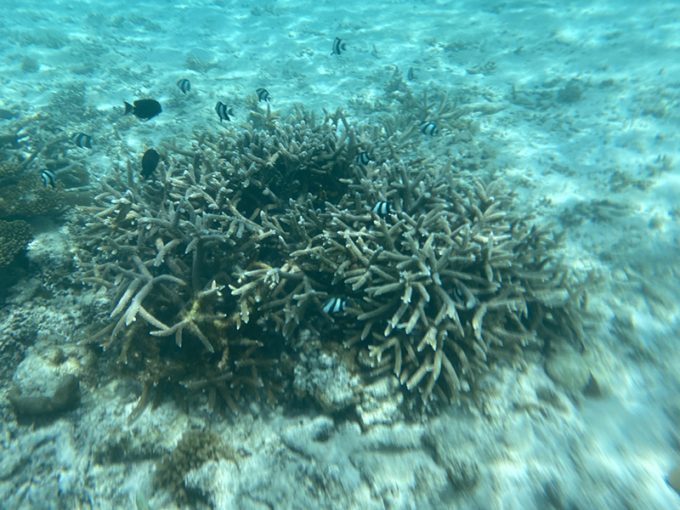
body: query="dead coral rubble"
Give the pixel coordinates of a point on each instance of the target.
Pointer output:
(248, 234)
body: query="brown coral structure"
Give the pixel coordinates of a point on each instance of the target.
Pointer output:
(247, 235)
(438, 289)
(14, 236)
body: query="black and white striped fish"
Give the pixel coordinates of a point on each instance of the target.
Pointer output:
(48, 178)
(224, 112)
(82, 140)
(338, 46)
(335, 305)
(263, 94)
(428, 128)
(362, 158)
(382, 208)
(184, 85)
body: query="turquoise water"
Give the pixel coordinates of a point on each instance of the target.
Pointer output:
(333, 294)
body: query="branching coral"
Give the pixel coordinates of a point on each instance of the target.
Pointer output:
(439, 288)
(248, 236)
(167, 250)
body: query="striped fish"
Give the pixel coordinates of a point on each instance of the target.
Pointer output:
(428, 128)
(362, 158)
(382, 208)
(82, 140)
(263, 94)
(338, 46)
(48, 178)
(224, 112)
(335, 305)
(184, 85)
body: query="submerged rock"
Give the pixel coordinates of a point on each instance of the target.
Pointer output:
(66, 396)
(569, 369)
(47, 381)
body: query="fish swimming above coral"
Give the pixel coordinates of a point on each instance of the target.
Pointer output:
(263, 94)
(149, 163)
(144, 109)
(224, 112)
(82, 140)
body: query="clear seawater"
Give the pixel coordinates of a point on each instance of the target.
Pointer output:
(578, 107)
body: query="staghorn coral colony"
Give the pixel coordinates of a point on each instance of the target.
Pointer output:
(250, 242)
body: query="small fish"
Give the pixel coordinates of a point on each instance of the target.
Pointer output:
(144, 109)
(411, 75)
(82, 140)
(382, 208)
(338, 46)
(428, 128)
(149, 162)
(48, 178)
(362, 158)
(335, 305)
(263, 94)
(184, 85)
(224, 112)
(7, 114)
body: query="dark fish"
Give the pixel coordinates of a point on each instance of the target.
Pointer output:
(335, 305)
(338, 46)
(48, 178)
(382, 208)
(184, 85)
(149, 162)
(263, 94)
(224, 112)
(7, 114)
(411, 75)
(362, 158)
(428, 128)
(143, 108)
(82, 140)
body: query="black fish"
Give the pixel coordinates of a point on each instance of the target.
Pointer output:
(184, 85)
(223, 111)
(411, 75)
(382, 208)
(143, 108)
(362, 158)
(428, 128)
(338, 46)
(48, 178)
(7, 114)
(334, 305)
(149, 162)
(263, 94)
(82, 140)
